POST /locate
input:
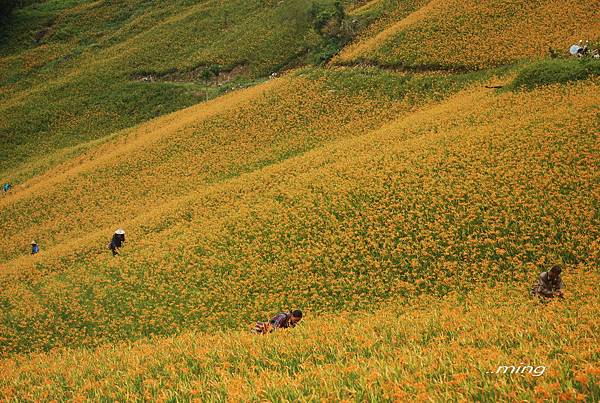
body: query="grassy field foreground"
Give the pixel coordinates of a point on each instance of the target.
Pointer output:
(425, 349)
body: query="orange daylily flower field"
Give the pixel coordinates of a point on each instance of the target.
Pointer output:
(405, 194)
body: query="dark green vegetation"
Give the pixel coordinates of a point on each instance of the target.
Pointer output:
(7, 7)
(552, 71)
(373, 82)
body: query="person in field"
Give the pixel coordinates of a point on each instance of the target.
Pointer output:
(282, 320)
(6, 187)
(117, 241)
(35, 248)
(579, 49)
(549, 284)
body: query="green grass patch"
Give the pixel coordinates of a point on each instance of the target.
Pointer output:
(378, 83)
(555, 71)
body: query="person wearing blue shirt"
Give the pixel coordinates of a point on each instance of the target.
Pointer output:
(35, 248)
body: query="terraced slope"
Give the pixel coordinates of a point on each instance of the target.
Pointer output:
(241, 132)
(483, 187)
(74, 71)
(458, 34)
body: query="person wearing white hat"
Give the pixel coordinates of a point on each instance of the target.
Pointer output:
(117, 241)
(35, 248)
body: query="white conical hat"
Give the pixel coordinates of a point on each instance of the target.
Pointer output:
(33, 243)
(120, 231)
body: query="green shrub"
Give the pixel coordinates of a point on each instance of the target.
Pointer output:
(555, 71)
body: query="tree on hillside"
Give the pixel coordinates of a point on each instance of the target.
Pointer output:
(215, 69)
(330, 21)
(327, 19)
(206, 75)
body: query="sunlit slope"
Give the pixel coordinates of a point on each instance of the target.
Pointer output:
(386, 13)
(71, 71)
(143, 167)
(483, 187)
(421, 349)
(459, 34)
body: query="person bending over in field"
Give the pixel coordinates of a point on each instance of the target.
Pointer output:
(280, 321)
(117, 241)
(549, 284)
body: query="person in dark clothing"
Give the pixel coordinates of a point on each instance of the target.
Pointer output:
(35, 248)
(282, 320)
(6, 187)
(117, 241)
(549, 284)
(286, 319)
